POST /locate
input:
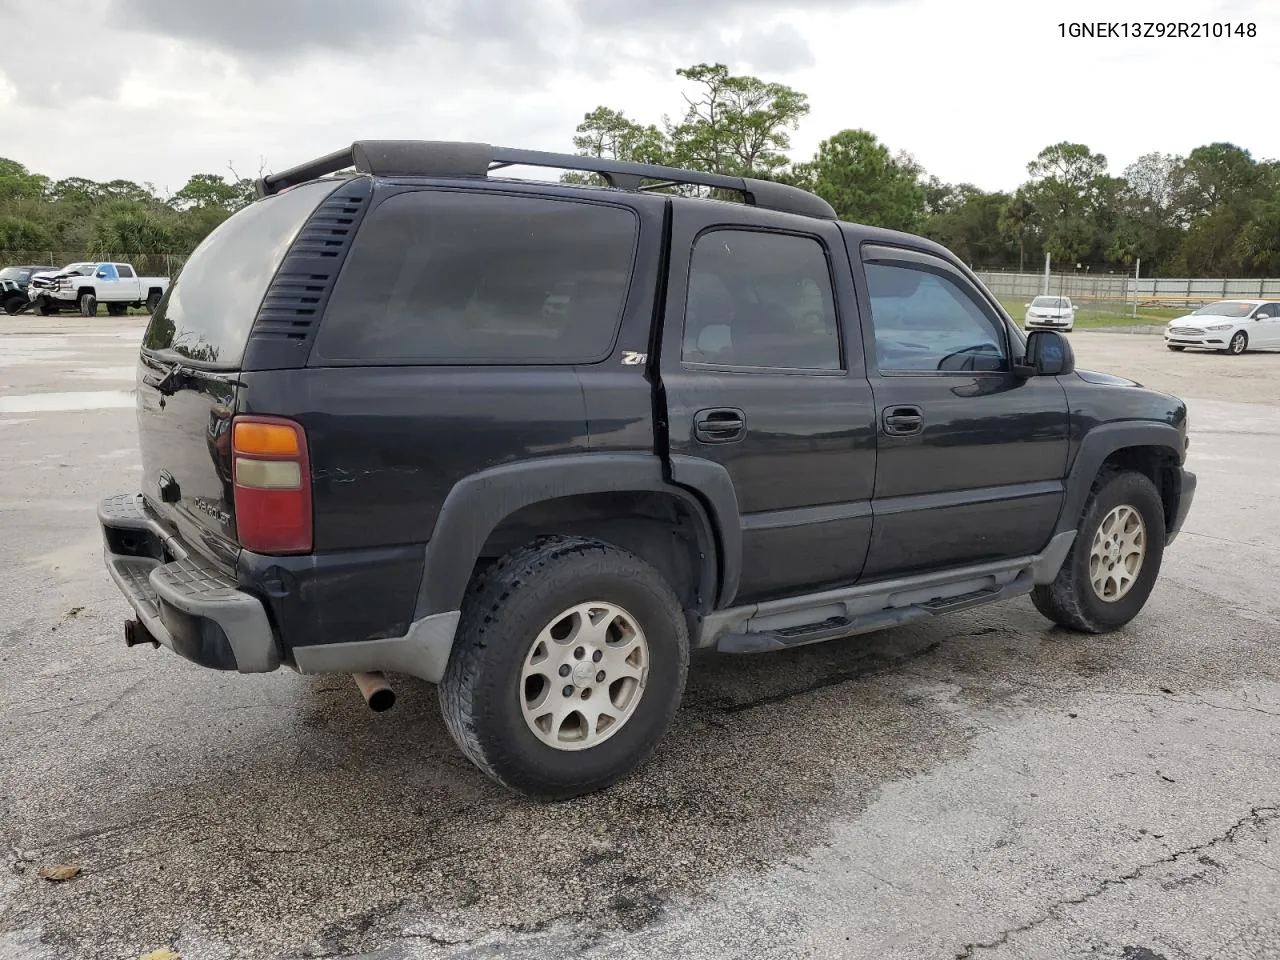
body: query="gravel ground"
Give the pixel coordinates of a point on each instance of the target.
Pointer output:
(979, 786)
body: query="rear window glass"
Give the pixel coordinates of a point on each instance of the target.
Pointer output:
(471, 277)
(208, 310)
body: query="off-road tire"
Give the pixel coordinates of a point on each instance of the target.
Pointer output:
(502, 615)
(14, 304)
(1070, 600)
(1239, 344)
(88, 305)
(117, 309)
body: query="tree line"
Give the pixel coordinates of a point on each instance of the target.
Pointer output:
(1214, 212)
(78, 217)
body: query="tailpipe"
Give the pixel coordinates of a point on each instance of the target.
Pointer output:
(376, 691)
(136, 632)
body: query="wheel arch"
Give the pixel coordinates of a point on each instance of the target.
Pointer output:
(624, 499)
(1156, 450)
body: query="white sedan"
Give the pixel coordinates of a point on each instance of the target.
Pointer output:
(1230, 325)
(1050, 313)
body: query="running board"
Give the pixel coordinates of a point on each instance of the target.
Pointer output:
(834, 614)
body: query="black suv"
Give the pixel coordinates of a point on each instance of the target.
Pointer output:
(535, 441)
(13, 286)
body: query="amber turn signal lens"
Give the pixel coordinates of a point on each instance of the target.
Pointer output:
(265, 439)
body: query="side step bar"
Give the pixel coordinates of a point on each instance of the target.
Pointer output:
(834, 614)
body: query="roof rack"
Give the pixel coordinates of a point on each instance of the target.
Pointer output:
(442, 158)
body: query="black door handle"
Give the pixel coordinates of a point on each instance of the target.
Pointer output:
(722, 425)
(903, 421)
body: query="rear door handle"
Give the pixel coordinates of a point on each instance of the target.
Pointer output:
(721, 425)
(903, 421)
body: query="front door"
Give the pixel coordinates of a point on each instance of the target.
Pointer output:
(1265, 330)
(759, 377)
(971, 457)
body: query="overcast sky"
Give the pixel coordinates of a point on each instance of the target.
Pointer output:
(154, 90)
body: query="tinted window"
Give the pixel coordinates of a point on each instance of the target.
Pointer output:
(925, 321)
(126, 271)
(1268, 310)
(760, 300)
(207, 312)
(466, 277)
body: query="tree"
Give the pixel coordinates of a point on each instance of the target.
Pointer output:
(211, 191)
(610, 134)
(735, 125)
(1066, 193)
(857, 175)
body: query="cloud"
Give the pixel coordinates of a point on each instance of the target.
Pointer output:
(680, 14)
(779, 48)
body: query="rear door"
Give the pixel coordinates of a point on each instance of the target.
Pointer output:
(201, 327)
(759, 378)
(128, 282)
(971, 458)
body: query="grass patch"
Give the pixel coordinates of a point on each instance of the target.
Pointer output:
(1098, 315)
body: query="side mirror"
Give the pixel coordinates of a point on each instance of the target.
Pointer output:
(1049, 354)
(1026, 304)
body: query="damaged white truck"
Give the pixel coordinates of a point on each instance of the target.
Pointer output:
(82, 286)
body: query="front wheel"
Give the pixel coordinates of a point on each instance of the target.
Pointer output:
(1113, 564)
(88, 305)
(567, 669)
(1175, 347)
(1239, 344)
(15, 304)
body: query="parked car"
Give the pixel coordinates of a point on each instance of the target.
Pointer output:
(1232, 326)
(13, 287)
(1050, 313)
(534, 441)
(84, 285)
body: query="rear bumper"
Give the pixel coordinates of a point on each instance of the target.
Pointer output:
(205, 614)
(1187, 494)
(189, 607)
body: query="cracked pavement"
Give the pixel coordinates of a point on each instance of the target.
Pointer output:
(981, 786)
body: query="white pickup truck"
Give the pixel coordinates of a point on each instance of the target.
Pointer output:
(83, 286)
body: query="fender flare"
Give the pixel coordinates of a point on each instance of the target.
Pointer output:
(479, 503)
(1100, 443)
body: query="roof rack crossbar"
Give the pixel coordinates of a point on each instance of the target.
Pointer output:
(408, 158)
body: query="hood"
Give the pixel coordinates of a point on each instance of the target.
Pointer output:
(1202, 321)
(1106, 379)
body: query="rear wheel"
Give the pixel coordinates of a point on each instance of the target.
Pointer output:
(15, 304)
(1113, 564)
(567, 669)
(1239, 344)
(88, 305)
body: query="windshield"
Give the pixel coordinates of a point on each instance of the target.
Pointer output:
(1225, 308)
(14, 273)
(1052, 303)
(84, 269)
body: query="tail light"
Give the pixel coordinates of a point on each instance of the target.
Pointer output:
(272, 478)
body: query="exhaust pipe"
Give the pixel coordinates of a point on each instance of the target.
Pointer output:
(376, 691)
(135, 632)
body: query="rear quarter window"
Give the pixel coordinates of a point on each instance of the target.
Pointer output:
(476, 277)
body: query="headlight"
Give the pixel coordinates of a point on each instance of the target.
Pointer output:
(1219, 326)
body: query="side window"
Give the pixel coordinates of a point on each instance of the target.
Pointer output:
(472, 277)
(926, 322)
(1268, 310)
(126, 271)
(760, 300)
(106, 271)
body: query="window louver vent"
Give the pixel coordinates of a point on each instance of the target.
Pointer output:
(301, 287)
